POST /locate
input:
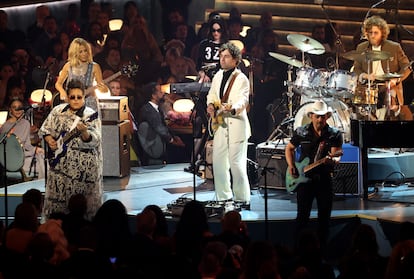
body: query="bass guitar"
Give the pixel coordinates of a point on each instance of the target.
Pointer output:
(63, 140)
(126, 70)
(303, 168)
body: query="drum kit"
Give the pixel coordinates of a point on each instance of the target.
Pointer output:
(338, 88)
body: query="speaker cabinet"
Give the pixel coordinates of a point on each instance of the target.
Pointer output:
(115, 147)
(273, 159)
(345, 178)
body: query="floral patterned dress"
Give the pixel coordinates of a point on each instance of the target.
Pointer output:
(79, 169)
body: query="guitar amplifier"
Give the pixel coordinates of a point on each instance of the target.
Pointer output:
(114, 109)
(271, 155)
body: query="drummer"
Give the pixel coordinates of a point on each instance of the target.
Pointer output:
(389, 64)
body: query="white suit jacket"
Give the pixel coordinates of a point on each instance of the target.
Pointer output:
(238, 125)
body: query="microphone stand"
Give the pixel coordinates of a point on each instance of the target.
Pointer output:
(367, 15)
(196, 99)
(338, 41)
(3, 141)
(43, 119)
(43, 101)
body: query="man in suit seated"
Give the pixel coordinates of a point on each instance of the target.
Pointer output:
(153, 132)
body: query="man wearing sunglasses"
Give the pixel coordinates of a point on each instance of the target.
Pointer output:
(321, 147)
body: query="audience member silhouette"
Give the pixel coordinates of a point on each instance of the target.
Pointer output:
(261, 260)
(363, 259)
(191, 235)
(113, 232)
(75, 220)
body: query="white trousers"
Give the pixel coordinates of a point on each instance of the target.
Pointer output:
(230, 157)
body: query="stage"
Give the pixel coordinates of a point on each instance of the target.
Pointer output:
(386, 208)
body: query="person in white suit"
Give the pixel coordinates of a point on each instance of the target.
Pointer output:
(227, 102)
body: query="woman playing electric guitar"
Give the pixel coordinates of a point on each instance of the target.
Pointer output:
(316, 140)
(77, 170)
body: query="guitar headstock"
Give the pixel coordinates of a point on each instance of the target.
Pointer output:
(129, 70)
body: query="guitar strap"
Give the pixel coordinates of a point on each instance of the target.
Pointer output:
(319, 151)
(227, 93)
(77, 119)
(88, 77)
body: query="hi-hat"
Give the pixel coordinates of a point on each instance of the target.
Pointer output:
(388, 76)
(289, 60)
(366, 55)
(306, 44)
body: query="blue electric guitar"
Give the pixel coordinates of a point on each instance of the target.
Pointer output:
(63, 140)
(303, 168)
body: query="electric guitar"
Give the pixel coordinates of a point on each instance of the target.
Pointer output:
(126, 70)
(217, 120)
(63, 140)
(303, 168)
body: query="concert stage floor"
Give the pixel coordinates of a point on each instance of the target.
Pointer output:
(163, 185)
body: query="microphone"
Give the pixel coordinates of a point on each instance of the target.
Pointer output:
(27, 108)
(209, 66)
(50, 64)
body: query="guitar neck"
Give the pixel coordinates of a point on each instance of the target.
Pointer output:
(89, 90)
(320, 162)
(70, 134)
(314, 164)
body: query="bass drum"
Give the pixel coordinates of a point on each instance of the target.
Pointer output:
(341, 118)
(14, 153)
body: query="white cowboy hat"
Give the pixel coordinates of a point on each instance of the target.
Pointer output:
(320, 108)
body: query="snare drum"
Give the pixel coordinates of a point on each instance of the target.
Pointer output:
(365, 96)
(341, 117)
(14, 153)
(342, 83)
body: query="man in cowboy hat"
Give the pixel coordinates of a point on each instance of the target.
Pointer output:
(320, 146)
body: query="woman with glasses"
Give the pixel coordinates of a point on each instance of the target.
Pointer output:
(72, 133)
(19, 126)
(208, 60)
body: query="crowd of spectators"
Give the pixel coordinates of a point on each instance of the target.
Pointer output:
(114, 244)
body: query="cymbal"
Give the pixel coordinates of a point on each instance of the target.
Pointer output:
(289, 60)
(238, 44)
(370, 55)
(388, 76)
(306, 44)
